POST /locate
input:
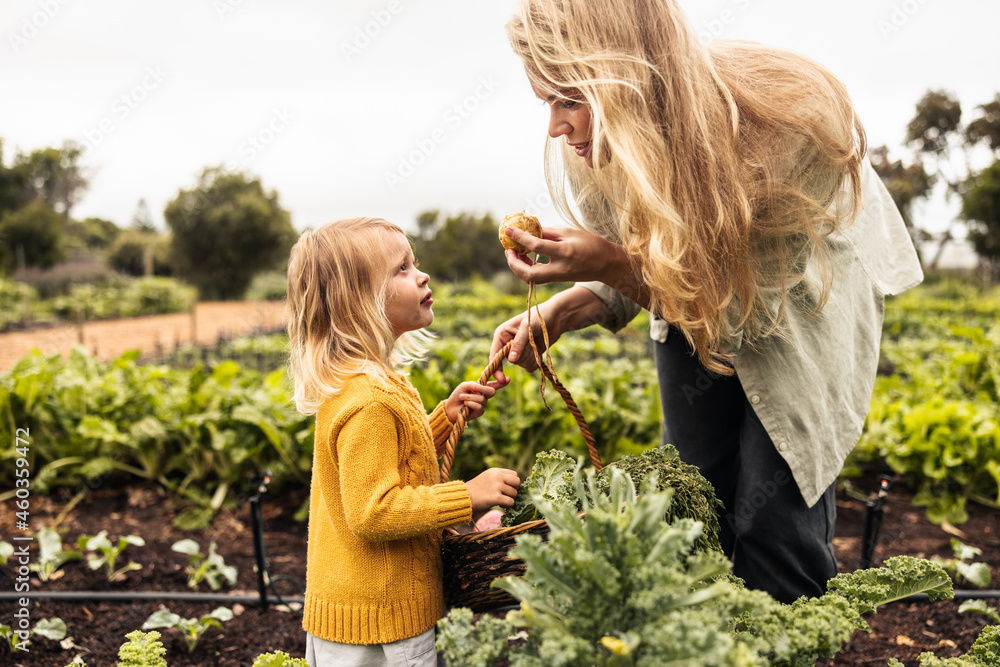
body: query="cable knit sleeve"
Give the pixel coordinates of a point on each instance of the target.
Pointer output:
(379, 504)
(441, 427)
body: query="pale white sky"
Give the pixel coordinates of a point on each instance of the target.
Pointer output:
(392, 107)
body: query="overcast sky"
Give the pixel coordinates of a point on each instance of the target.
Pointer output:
(392, 107)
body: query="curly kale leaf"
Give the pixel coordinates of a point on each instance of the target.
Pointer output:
(694, 496)
(899, 577)
(552, 476)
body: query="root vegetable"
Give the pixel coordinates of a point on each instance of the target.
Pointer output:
(527, 223)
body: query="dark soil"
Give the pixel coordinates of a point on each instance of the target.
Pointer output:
(902, 630)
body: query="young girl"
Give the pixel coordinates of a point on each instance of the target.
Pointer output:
(356, 307)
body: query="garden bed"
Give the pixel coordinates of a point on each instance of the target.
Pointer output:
(902, 630)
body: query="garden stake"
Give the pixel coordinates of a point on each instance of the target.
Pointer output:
(873, 521)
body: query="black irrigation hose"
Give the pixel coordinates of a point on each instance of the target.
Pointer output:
(960, 594)
(104, 596)
(126, 596)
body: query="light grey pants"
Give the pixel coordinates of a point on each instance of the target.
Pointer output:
(413, 652)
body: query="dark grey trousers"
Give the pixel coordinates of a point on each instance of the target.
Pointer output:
(777, 543)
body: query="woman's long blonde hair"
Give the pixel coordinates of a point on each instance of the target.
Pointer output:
(338, 278)
(716, 167)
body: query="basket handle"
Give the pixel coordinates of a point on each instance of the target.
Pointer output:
(496, 362)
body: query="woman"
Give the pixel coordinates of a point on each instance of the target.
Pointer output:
(724, 188)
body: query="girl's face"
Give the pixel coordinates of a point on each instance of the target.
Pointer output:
(568, 117)
(408, 302)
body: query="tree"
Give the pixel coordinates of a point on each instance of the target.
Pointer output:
(981, 207)
(11, 186)
(986, 128)
(136, 253)
(54, 175)
(142, 221)
(225, 231)
(31, 236)
(905, 183)
(937, 131)
(458, 247)
(94, 233)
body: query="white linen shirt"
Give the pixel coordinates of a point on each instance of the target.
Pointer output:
(811, 389)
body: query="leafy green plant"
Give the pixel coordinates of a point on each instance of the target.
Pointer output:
(108, 552)
(278, 659)
(211, 568)
(191, 628)
(985, 652)
(6, 551)
(980, 607)
(51, 555)
(551, 476)
(977, 574)
(933, 420)
(143, 649)
(622, 586)
(198, 433)
(693, 495)
(51, 628)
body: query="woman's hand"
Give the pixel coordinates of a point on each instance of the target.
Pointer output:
(573, 255)
(473, 396)
(571, 309)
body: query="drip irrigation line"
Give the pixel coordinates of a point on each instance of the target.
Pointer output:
(960, 594)
(125, 596)
(131, 596)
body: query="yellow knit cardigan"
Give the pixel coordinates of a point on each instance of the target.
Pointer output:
(376, 513)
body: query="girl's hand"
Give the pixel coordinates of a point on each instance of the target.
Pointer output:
(473, 396)
(574, 255)
(493, 487)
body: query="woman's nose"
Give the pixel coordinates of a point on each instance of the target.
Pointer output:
(558, 126)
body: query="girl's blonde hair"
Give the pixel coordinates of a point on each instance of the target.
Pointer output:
(338, 280)
(716, 167)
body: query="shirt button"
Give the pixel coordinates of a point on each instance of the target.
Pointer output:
(783, 447)
(755, 399)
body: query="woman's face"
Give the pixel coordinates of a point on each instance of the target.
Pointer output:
(568, 117)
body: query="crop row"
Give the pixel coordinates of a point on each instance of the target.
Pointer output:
(207, 432)
(20, 305)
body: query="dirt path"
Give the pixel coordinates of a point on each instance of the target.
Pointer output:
(110, 338)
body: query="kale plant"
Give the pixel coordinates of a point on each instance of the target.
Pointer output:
(191, 628)
(693, 495)
(985, 652)
(620, 585)
(6, 551)
(108, 552)
(980, 607)
(51, 555)
(551, 476)
(143, 649)
(211, 568)
(278, 659)
(51, 628)
(977, 574)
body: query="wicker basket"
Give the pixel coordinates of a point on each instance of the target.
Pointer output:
(473, 560)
